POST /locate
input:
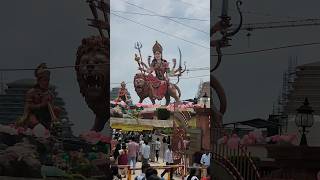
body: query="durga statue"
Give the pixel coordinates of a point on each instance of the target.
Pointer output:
(153, 81)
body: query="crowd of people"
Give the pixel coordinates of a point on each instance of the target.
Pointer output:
(130, 147)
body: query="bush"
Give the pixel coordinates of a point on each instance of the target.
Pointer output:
(167, 131)
(163, 113)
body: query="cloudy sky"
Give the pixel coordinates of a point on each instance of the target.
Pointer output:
(36, 31)
(125, 33)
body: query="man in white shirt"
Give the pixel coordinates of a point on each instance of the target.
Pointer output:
(168, 158)
(157, 148)
(141, 144)
(205, 159)
(145, 153)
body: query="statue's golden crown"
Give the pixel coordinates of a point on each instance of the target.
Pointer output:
(157, 47)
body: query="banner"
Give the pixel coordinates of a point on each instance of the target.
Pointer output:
(131, 127)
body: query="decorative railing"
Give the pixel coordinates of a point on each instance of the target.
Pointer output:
(237, 160)
(228, 166)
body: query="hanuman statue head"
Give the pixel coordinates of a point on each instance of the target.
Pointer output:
(43, 76)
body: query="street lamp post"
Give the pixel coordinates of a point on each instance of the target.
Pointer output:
(304, 119)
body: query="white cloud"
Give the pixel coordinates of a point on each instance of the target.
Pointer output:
(125, 33)
(115, 5)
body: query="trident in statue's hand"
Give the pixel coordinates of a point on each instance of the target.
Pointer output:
(136, 58)
(138, 46)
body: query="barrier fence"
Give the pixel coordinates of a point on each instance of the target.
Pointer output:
(238, 160)
(183, 175)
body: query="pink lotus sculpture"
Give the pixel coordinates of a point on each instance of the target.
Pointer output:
(256, 138)
(94, 137)
(233, 142)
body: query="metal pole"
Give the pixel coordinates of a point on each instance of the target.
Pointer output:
(303, 141)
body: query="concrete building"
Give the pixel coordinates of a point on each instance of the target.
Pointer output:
(306, 85)
(204, 88)
(12, 103)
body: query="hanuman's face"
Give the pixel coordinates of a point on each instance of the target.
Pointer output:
(44, 83)
(92, 75)
(157, 55)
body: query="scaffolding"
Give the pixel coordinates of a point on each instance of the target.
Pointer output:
(283, 99)
(199, 89)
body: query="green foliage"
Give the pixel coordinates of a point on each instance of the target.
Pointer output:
(163, 113)
(167, 131)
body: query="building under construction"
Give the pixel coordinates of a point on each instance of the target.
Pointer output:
(12, 103)
(306, 84)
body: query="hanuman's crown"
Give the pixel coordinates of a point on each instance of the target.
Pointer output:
(157, 47)
(42, 71)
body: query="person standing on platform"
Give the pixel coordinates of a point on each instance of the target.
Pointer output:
(164, 144)
(133, 150)
(145, 153)
(141, 145)
(169, 161)
(116, 153)
(123, 159)
(157, 148)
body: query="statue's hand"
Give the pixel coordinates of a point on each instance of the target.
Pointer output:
(136, 58)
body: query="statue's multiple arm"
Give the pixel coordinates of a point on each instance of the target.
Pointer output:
(32, 105)
(168, 72)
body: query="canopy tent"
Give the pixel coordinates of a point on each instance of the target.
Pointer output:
(127, 124)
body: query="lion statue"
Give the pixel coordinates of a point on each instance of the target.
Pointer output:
(143, 89)
(92, 68)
